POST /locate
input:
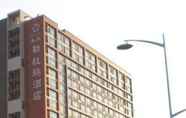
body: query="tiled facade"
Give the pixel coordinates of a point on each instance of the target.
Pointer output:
(62, 76)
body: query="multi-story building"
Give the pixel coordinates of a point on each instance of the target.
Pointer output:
(46, 72)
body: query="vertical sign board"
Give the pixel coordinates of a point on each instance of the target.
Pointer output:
(34, 68)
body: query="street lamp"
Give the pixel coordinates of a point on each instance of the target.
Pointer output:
(127, 45)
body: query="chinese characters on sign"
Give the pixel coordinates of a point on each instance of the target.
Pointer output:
(36, 63)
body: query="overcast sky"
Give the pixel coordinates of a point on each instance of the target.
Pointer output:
(104, 24)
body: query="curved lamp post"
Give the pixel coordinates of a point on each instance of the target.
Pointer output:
(126, 46)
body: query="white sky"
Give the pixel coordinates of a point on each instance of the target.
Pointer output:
(104, 24)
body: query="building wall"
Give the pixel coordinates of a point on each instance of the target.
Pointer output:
(61, 76)
(3, 69)
(34, 68)
(15, 62)
(15, 65)
(88, 87)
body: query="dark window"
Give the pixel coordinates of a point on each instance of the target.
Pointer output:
(14, 115)
(14, 84)
(13, 43)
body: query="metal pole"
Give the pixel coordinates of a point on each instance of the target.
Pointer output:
(167, 77)
(163, 45)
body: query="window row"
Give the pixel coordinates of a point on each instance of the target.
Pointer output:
(121, 81)
(117, 79)
(74, 114)
(63, 44)
(105, 97)
(92, 83)
(95, 109)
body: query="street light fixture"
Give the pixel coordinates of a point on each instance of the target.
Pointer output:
(127, 45)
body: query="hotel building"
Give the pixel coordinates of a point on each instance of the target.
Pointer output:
(46, 72)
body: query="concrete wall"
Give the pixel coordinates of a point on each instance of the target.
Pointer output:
(3, 69)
